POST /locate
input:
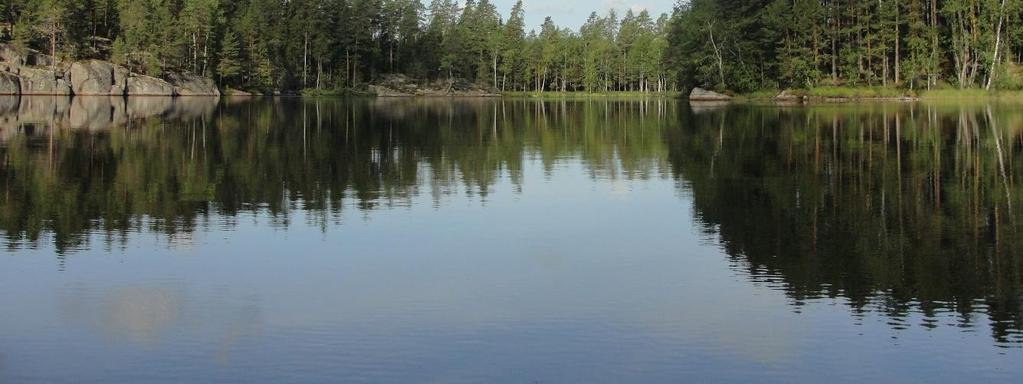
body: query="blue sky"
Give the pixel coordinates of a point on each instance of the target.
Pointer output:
(572, 13)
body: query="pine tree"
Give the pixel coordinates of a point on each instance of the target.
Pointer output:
(229, 64)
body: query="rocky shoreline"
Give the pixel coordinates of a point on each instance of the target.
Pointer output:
(38, 74)
(403, 86)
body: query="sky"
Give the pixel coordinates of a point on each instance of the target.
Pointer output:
(573, 13)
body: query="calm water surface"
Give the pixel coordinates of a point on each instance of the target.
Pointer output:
(508, 241)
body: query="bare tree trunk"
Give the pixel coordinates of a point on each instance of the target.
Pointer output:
(195, 51)
(898, 52)
(305, 57)
(998, 41)
(53, 48)
(717, 53)
(932, 77)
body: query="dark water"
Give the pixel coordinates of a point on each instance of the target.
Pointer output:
(508, 241)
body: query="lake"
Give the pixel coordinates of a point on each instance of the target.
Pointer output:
(508, 241)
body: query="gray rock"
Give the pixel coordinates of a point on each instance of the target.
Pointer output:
(700, 94)
(237, 92)
(92, 77)
(10, 84)
(11, 55)
(120, 86)
(37, 81)
(382, 91)
(142, 85)
(787, 96)
(192, 85)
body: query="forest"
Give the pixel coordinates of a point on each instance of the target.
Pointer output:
(344, 44)
(746, 45)
(737, 46)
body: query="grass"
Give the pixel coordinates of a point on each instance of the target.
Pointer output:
(766, 94)
(834, 92)
(856, 92)
(840, 92)
(843, 92)
(584, 95)
(969, 94)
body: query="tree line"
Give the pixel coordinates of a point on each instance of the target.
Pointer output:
(746, 45)
(344, 44)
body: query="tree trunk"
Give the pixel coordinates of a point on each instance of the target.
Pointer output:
(998, 41)
(898, 52)
(717, 53)
(305, 57)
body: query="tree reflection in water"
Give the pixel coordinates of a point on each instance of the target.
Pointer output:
(901, 209)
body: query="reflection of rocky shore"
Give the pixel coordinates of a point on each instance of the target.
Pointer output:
(93, 113)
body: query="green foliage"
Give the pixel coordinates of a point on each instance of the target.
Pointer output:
(746, 45)
(229, 64)
(336, 44)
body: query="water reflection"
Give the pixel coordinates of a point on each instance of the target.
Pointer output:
(907, 210)
(899, 209)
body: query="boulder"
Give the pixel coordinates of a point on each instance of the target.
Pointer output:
(142, 85)
(700, 94)
(37, 81)
(10, 67)
(192, 85)
(120, 86)
(382, 91)
(11, 55)
(94, 77)
(787, 96)
(10, 84)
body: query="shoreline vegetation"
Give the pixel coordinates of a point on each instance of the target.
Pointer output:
(721, 49)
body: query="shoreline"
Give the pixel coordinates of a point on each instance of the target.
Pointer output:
(934, 96)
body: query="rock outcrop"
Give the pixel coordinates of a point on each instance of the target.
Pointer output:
(192, 85)
(95, 77)
(10, 84)
(700, 94)
(382, 91)
(142, 85)
(237, 92)
(8, 54)
(403, 86)
(33, 73)
(788, 97)
(38, 81)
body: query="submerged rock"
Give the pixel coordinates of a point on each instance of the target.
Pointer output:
(700, 94)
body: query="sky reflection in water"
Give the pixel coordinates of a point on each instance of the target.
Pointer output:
(507, 241)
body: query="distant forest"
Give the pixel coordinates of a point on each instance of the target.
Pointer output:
(735, 45)
(337, 44)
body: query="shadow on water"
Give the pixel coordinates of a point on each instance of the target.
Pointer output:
(903, 210)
